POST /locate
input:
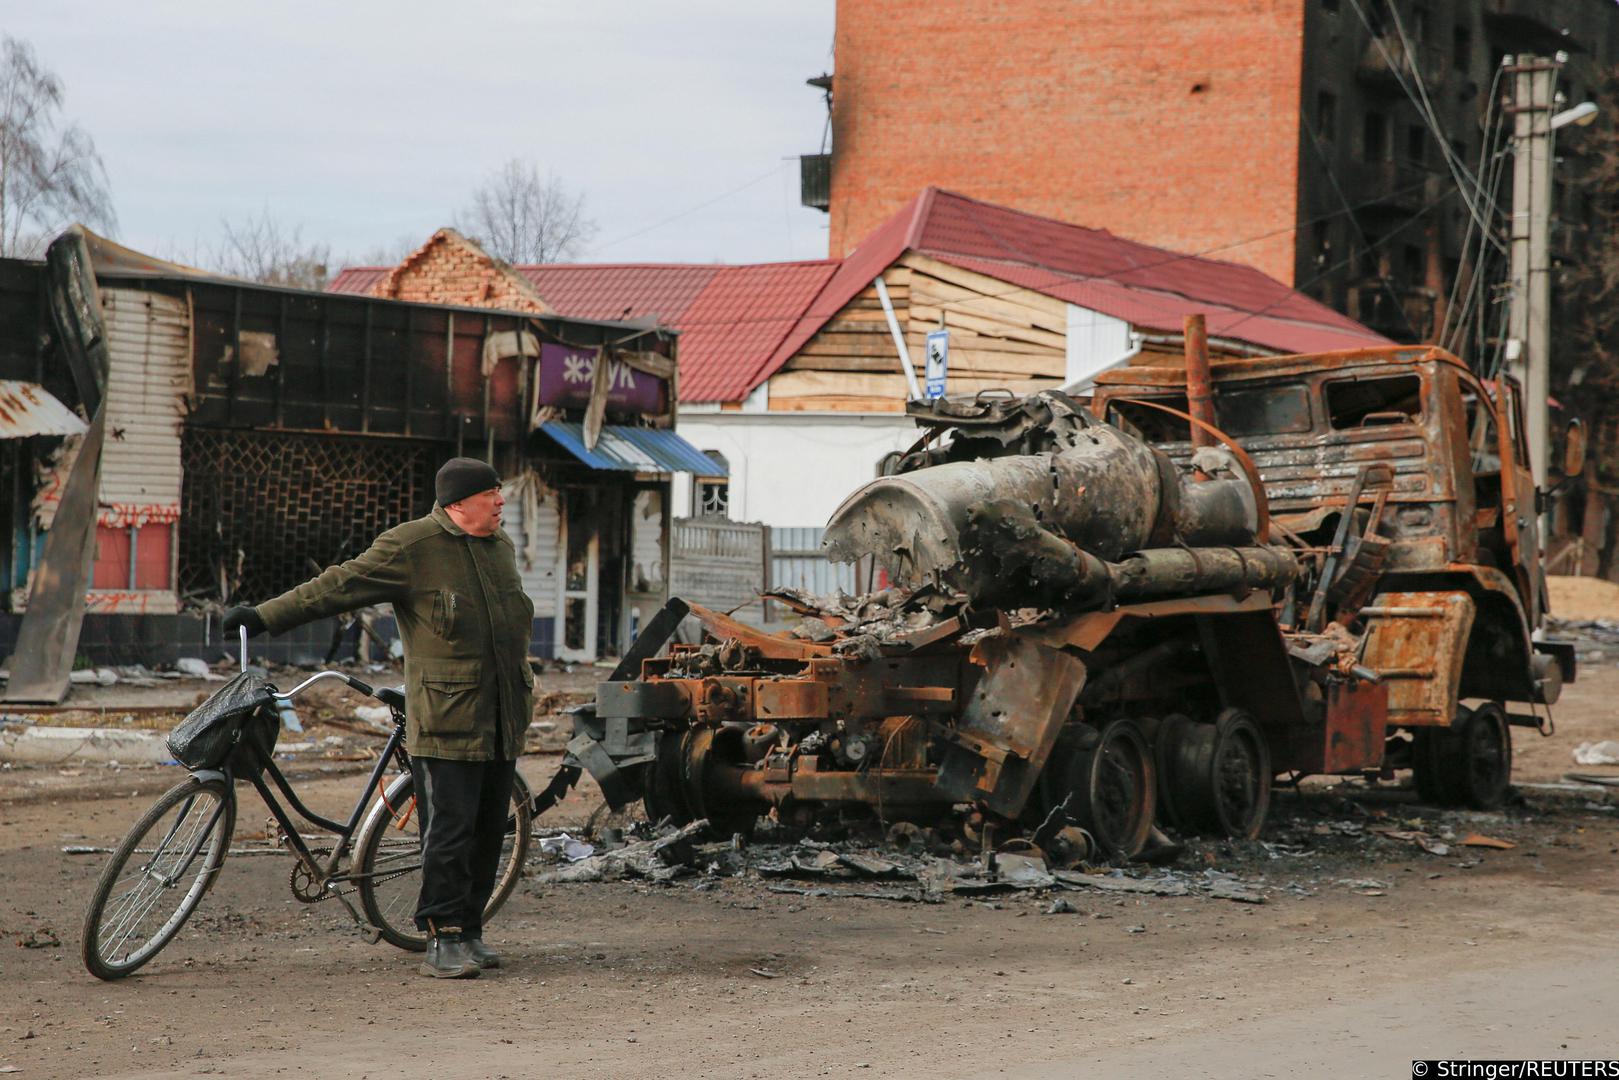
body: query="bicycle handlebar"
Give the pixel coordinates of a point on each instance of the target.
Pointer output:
(364, 688)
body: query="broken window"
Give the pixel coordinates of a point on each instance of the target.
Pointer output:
(1269, 410)
(1326, 116)
(1482, 440)
(1416, 144)
(1393, 399)
(1375, 136)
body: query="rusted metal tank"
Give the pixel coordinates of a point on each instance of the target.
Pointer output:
(1047, 528)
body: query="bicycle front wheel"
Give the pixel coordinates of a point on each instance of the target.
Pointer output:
(388, 861)
(158, 875)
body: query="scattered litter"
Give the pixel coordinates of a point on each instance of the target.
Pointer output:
(567, 847)
(1023, 871)
(42, 938)
(1059, 906)
(95, 676)
(190, 665)
(859, 894)
(1605, 752)
(1154, 886)
(764, 973)
(1135, 929)
(1479, 840)
(378, 716)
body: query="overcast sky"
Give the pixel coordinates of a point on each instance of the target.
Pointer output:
(369, 122)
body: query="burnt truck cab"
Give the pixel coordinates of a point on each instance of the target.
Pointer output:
(1439, 561)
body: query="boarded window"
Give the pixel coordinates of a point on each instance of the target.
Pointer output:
(1396, 399)
(150, 569)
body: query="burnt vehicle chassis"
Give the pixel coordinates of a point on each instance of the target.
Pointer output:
(1108, 629)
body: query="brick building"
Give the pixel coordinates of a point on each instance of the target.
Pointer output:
(1285, 134)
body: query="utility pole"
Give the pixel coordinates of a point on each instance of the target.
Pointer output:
(1534, 78)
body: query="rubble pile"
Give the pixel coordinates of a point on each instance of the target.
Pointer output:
(853, 869)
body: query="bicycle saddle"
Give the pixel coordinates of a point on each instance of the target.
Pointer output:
(391, 696)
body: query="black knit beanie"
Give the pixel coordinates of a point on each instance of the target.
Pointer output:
(463, 476)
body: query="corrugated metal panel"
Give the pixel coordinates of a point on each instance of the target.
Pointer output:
(530, 519)
(797, 562)
(632, 449)
(149, 368)
(29, 409)
(646, 543)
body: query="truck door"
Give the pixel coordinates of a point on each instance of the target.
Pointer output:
(1519, 517)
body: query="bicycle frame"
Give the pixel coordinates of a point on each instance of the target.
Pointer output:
(327, 874)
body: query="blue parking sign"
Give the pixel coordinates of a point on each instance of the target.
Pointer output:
(938, 363)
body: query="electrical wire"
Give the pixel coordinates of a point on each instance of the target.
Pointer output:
(1417, 215)
(1458, 169)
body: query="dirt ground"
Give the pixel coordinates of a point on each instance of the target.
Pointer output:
(1368, 953)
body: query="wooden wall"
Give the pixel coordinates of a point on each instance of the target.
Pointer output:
(1000, 336)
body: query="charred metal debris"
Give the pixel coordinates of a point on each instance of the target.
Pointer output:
(1092, 623)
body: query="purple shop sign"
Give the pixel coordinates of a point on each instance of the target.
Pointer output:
(566, 375)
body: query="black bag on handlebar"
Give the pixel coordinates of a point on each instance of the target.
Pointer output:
(238, 715)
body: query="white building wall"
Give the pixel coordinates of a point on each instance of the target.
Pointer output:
(1095, 342)
(792, 469)
(531, 520)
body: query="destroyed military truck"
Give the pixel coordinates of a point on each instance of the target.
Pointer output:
(1134, 610)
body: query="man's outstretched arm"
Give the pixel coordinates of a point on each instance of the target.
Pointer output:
(376, 576)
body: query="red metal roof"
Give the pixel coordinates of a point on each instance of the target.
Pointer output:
(661, 291)
(1149, 287)
(359, 280)
(740, 324)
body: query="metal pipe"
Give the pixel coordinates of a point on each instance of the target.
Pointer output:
(1199, 384)
(899, 340)
(1230, 345)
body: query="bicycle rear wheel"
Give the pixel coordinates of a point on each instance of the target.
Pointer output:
(388, 861)
(158, 875)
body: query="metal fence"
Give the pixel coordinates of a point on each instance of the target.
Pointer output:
(797, 562)
(264, 510)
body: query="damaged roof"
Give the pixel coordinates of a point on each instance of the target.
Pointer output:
(29, 409)
(740, 324)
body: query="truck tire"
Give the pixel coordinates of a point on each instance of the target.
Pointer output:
(1222, 776)
(1111, 774)
(1471, 762)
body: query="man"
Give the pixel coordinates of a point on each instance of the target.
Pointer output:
(452, 580)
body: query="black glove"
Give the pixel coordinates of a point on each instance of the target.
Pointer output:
(243, 616)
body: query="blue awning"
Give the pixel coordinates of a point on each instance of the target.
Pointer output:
(633, 449)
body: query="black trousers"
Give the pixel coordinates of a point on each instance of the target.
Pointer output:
(463, 807)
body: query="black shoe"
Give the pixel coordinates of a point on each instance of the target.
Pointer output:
(486, 957)
(449, 958)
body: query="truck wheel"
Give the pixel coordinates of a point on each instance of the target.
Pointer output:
(1425, 742)
(1222, 776)
(1111, 774)
(1473, 760)
(1166, 744)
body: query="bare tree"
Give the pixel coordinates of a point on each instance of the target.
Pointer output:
(266, 249)
(522, 216)
(50, 173)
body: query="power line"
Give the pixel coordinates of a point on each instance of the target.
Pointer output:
(761, 178)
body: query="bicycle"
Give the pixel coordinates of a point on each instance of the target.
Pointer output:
(187, 833)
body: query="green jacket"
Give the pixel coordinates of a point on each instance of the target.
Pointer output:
(465, 621)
